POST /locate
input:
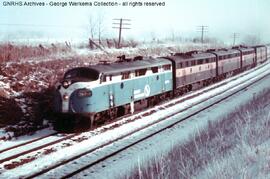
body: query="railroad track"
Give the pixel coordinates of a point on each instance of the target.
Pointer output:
(70, 136)
(211, 101)
(186, 97)
(23, 149)
(27, 142)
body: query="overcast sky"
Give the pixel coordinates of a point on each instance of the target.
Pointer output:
(181, 17)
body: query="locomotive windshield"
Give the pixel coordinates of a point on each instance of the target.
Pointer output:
(82, 74)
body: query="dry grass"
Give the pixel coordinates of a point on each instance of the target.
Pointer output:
(32, 71)
(10, 52)
(233, 148)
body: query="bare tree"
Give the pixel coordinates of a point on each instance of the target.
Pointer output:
(252, 39)
(100, 26)
(153, 36)
(172, 35)
(96, 27)
(92, 26)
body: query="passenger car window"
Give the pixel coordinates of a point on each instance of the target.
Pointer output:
(180, 65)
(166, 67)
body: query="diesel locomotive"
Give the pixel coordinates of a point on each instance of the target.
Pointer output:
(109, 90)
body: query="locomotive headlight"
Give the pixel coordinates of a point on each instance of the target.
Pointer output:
(84, 93)
(65, 97)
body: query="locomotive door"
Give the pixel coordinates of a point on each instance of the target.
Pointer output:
(111, 99)
(222, 67)
(211, 69)
(184, 77)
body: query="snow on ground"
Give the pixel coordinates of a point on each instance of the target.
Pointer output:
(5, 90)
(26, 138)
(152, 49)
(123, 163)
(63, 152)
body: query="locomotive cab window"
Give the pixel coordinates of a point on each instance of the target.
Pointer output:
(106, 78)
(82, 74)
(140, 72)
(154, 69)
(125, 75)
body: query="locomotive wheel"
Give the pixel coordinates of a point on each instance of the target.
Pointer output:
(69, 124)
(121, 111)
(64, 123)
(189, 87)
(113, 113)
(151, 101)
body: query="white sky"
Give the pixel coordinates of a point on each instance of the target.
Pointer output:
(223, 18)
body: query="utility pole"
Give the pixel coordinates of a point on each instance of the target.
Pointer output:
(202, 29)
(235, 36)
(120, 24)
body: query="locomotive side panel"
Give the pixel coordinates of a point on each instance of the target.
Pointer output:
(203, 72)
(248, 59)
(268, 50)
(261, 54)
(199, 72)
(121, 93)
(148, 86)
(229, 64)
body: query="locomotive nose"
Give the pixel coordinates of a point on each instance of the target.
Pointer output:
(80, 100)
(84, 93)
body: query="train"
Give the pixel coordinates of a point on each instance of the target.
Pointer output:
(106, 91)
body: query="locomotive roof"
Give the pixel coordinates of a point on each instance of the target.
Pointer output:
(243, 48)
(226, 52)
(259, 46)
(189, 57)
(113, 68)
(246, 49)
